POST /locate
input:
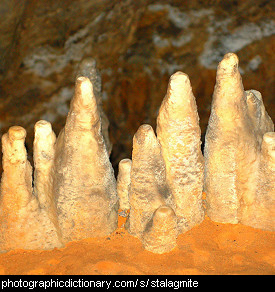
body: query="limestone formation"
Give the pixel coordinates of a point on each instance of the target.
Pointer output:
(161, 231)
(261, 212)
(167, 171)
(74, 194)
(148, 190)
(74, 190)
(26, 218)
(43, 156)
(84, 184)
(123, 183)
(179, 135)
(87, 68)
(239, 153)
(43, 152)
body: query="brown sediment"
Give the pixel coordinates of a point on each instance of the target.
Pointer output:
(209, 248)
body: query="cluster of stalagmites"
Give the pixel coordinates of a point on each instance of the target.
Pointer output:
(75, 195)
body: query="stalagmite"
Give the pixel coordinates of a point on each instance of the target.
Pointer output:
(123, 183)
(44, 150)
(261, 212)
(74, 194)
(236, 161)
(23, 224)
(167, 171)
(43, 156)
(84, 183)
(161, 231)
(148, 189)
(16, 184)
(87, 68)
(179, 134)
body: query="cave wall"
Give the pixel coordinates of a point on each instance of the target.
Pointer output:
(137, 46)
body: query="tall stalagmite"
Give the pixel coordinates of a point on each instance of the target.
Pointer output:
(238, 164)
(167, 171)
(87, 68)
(84, 182)
(179, 135)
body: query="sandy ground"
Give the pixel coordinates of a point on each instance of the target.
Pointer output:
(210, 248)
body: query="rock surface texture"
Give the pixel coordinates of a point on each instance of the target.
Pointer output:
(179, 134)
(239, 153)
(84, 184)
(138, 45)
(123, 183)
(26, 221)
(148, 188)
(167, 171)
(74, 194)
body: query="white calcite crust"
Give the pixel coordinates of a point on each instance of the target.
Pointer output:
(167, 171)
(24, 222)
(74, 193)
(84, 184)
(179, 135)
(239, 182)
(123, 183)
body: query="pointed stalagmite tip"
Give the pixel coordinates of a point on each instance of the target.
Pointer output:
(84, 92)
(228, 65)
(44, 141)
(83, 80)
(252, 94)
(145, 134)
(126, 162)
(125, 165)
(179, 85)
(178, 79)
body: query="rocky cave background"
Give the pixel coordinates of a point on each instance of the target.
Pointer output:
(137, 46)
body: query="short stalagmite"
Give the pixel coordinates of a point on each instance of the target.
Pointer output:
(161, 231)
(123, 183)
(238, 176)
(179, 134)
(44, 151)
(148, 190)
(84, 183)
(25, 221)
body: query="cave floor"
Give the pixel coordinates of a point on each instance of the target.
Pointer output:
(210, 248)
